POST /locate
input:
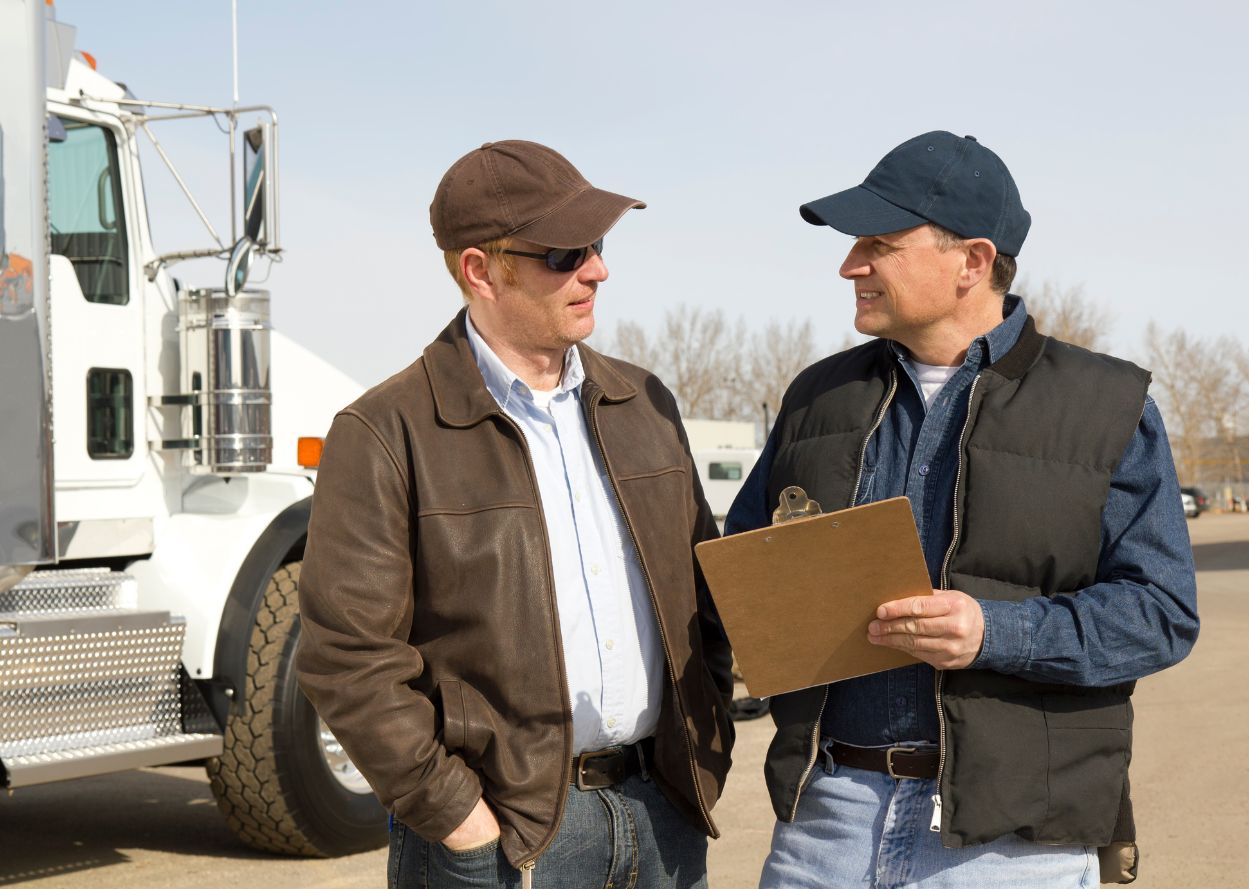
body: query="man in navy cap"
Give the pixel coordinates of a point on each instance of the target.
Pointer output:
(1049, 512)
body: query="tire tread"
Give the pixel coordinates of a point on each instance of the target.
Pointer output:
(245, 778)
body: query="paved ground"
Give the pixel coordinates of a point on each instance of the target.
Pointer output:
(159, 827)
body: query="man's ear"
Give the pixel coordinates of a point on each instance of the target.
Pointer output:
(475, 267)
(978, 265)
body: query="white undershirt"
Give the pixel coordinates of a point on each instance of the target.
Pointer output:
(931, 378)
(542, 397)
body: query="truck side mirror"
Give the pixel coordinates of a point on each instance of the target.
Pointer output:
(260, 192)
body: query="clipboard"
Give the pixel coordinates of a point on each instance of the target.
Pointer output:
(796, 597)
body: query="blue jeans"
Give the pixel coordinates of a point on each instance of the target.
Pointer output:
(864, 829)
(625, 837)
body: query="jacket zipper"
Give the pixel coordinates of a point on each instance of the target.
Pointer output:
(663, 635)
(945, 585)
(527, 866)
(854, 495)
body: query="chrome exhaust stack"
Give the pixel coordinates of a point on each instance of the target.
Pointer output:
(226, 395)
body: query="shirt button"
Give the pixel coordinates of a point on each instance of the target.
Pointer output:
(595, 569)
(576, 496)
(610, 644)
(923, 470)
(611, 723)
(900, 701)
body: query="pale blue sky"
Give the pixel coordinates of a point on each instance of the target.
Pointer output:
(1125, 125)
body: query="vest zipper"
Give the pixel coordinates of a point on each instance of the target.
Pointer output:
(945, 585)
(880, 418)
(527, 866)
(663, 635)
(858, 479)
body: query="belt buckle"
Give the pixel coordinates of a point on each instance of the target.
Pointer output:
(593, 754)
(889, 761)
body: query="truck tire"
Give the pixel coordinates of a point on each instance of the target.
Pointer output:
(274, 781)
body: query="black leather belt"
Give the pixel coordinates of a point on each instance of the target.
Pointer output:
(597, 769)
(896, 762)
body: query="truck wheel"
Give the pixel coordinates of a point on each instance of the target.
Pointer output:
(282, 781)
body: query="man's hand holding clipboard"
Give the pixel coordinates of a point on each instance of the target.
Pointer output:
(944, 629)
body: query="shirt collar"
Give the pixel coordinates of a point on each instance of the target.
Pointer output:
(990, 347)
(1002, 338)
(500, 379)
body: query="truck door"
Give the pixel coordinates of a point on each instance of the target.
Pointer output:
(97, 320)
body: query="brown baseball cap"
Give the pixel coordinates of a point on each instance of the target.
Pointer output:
(525, 190)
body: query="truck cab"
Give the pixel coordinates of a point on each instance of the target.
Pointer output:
(159, 445)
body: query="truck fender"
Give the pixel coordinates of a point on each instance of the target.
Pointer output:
(280, 543)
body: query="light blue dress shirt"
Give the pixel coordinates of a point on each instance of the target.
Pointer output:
(612, 651)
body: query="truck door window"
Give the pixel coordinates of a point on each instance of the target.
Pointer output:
(110, 413)
(725, 472)
(85, 211)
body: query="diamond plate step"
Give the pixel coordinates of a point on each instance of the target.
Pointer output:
(77, 589)
(87, 685)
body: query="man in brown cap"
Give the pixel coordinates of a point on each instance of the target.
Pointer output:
(503, 622)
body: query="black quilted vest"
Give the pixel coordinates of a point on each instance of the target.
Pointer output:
(1046, 427)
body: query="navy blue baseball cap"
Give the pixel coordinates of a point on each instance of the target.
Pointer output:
(937, 177)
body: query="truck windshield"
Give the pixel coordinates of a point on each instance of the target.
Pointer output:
(85, 210)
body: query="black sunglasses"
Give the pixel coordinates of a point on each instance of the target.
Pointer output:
(562, 259)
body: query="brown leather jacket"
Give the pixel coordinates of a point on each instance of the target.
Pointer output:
(430, 638)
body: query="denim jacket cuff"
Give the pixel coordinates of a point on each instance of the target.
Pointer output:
(1005, 645)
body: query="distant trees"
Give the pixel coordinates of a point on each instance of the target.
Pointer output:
(1066, 314)
(716, 368)
(1202, 387)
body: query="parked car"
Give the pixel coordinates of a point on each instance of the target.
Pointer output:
(1190, 505)
(1198, 495)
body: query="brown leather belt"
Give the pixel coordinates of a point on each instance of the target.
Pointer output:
(597, 769)
(896, 762)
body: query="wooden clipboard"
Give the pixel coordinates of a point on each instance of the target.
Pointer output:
(796, 597)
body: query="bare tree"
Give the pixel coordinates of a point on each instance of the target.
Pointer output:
(1234, 422)
(715, 367)
(1174, 387)
(631, 343)
(777, 353)
(695, 352)
(1202, 391)
(1240, 359)
(1065, 313)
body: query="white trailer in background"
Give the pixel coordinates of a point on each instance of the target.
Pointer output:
(153, 504)
(724, 452)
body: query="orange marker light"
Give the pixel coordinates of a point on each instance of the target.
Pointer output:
(310, 452)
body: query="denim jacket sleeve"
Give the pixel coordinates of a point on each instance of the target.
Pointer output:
(1141, 614)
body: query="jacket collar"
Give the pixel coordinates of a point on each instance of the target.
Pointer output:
(460, 394)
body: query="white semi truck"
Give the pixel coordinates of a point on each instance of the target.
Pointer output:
(154, 491)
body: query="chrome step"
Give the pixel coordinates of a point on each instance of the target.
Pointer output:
(80, 762)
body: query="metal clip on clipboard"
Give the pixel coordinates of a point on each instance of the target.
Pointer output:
(794, 504)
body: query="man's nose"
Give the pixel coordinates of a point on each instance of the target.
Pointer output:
(593, 269)
(854, 265)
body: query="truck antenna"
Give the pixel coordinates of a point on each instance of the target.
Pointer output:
(234, 39)
(234, 34)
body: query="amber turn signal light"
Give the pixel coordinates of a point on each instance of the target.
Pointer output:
(310, 452)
